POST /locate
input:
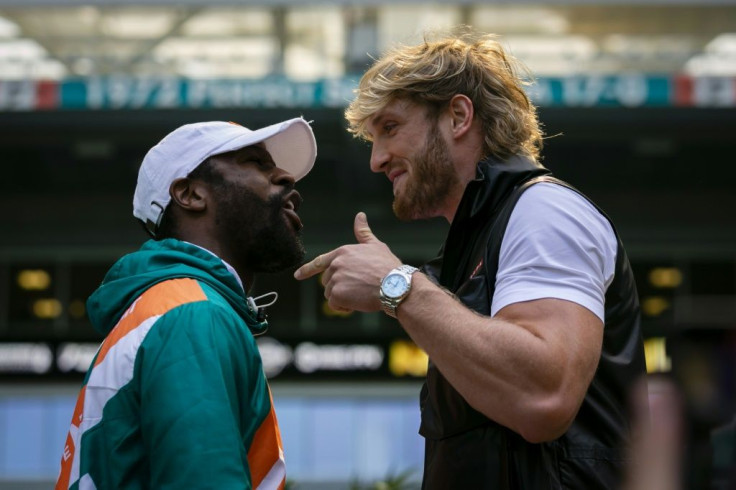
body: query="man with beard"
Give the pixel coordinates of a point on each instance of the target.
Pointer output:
(176, 396)
(530, 315)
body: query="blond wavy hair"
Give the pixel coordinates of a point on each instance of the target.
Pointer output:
(432, 72)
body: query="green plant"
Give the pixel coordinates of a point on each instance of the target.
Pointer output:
(399, 481)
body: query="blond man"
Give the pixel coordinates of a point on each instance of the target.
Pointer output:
(530, 317)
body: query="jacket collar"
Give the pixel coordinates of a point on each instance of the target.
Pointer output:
(494, 180)
(483, 198)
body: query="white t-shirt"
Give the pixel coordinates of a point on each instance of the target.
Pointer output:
(556, 245)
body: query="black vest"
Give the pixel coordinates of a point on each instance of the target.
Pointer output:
(466, 450)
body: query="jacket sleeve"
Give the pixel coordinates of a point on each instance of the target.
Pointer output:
(202, 398)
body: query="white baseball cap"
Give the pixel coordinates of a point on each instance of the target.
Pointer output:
(291, 145)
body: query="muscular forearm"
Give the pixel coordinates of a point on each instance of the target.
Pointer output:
(528, 368)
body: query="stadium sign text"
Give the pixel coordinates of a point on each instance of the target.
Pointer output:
(124, 92)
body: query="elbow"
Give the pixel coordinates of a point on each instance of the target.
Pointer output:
(547, 419)
(539, 419)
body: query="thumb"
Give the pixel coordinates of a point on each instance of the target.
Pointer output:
(362, 231)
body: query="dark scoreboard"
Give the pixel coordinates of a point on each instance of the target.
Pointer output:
(46, 333)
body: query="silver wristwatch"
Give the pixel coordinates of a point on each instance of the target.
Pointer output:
(395, 287)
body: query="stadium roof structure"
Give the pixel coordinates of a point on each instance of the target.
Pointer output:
(46, 39)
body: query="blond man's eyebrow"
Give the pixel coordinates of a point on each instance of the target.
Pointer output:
(374, 121)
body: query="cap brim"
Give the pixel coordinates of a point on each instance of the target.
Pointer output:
(291, 145)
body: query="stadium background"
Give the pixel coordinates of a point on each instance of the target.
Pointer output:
(638, 99)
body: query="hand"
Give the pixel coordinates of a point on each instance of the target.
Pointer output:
(352, 274)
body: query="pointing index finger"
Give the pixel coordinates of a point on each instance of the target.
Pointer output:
(316, 266)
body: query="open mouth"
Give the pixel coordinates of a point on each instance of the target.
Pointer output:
(292, 202)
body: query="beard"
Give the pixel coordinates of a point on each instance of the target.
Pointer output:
(431, 181)
(261, 236)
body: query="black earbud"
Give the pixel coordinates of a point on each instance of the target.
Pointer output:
(261, 314)
(260, 310)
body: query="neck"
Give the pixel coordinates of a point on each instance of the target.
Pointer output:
(215, 248)
(245, 275)
(468, 151)
(466, 172)
(453, 202)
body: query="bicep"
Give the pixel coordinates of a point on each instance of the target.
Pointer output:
(572, 334)
(556, 245)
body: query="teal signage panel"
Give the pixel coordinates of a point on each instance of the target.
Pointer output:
(126, 92)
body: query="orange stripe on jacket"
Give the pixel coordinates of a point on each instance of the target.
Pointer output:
(157, 300)
(266, 448)
(67, 458)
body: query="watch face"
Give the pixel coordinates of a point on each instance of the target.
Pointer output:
(394, 285)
